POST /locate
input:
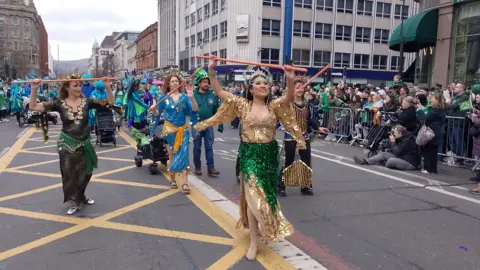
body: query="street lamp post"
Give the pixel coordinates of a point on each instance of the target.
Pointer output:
(402, 43)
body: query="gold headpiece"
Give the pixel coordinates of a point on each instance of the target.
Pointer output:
(256, 73)
(299, 78)
(74, 75)
(174, 71)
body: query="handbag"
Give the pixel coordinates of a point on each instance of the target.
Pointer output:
(424, 136)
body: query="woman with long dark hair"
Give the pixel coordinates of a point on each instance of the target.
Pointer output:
(259, 152)
(77, 155)
(434, 119)
(175, 109)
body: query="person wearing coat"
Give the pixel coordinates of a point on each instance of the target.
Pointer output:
(435, 119)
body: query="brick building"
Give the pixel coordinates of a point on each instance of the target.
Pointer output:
(147, 48)
(43, 65)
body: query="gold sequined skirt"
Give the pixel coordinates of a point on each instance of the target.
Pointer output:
(272, 227)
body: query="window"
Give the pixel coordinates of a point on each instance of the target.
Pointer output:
(321, 58)
(223, 29)
(206, 35)
(344, 33)
(342, 60)
(187, 3)
(345, 6)
(2, 20)
(15, 20)
(214, 32)
(15, 33)
(223, 4)
(325, 5)
(2, 34)
(192, 61)
(205, 62)
(199, 15)
(301, 28)
(187, 22)
(214, 7)
(381, 36)
(214, 53)
(192, 19)
(199, 39)
(303, 3)
(401, 11)
(380, 62)
(272, 3)
(361, 61)
(223, 54)
(363, 34)
(270, 27)
(384, 9)
(187, 43)
(323, 30)
(395, 62)
(301, 57)
(192, 40)
(206, 10)
(26, 22)
(270, 56)
(199, 61)
(365, 7)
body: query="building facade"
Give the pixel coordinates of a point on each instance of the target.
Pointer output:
(19, 38)
(167, 38)
(147, 50)
(120, 61)
(131, 53)
(50, 62)
(445, 36)
(43, 45)
(312, 33)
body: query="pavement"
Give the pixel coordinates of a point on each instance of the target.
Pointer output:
(359, 218)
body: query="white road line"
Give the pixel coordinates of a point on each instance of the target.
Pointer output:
(295, 256)
(399, 179)
(21, 133)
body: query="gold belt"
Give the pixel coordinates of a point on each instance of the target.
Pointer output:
(169, 128)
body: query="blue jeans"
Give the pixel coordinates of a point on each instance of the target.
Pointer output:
(208, 136)
(455, 139)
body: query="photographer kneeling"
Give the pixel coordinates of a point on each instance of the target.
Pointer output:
(402, 152)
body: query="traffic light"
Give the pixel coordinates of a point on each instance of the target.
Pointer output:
(231, 76)
(328, 75)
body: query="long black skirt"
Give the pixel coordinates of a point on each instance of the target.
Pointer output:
(75, 177)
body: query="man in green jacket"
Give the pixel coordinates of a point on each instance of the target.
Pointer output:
(208, 105)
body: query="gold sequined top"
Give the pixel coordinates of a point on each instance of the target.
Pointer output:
(301, 113)
(255, 130)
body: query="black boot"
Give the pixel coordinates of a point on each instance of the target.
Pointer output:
(306, 191)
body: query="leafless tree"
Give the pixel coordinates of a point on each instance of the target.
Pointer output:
(111, 65)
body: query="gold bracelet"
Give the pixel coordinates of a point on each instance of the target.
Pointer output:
(212, 74)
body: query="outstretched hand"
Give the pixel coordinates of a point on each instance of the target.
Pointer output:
(36, 82)
(323, 130)
(189, 90)
(289, 72)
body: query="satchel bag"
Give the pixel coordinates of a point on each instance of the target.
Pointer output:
(424, 136)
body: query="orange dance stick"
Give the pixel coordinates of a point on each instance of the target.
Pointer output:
(316, 75)
(179, 86)
(299, 69)
(67, 80)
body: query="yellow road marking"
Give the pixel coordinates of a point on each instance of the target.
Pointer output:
(38, 153)
(116, 159)
(49, 132)
(80, 227)
(231, 258)
(53, 175)
(115, 171)
(113, 150)
(128, 183)
(42, 141)
(39, 147)
(33, 164)
(167, 233)
(42, 216)
(30, 192)
(8, 157)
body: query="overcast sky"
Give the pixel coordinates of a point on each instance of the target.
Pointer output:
(76, 24)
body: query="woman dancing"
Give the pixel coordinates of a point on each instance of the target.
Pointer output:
(258, 153)
(175, 131)
(77, 155)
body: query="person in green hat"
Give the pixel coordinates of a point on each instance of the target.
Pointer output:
(208, 105)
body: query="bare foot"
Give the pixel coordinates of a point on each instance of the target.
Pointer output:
(252, 252)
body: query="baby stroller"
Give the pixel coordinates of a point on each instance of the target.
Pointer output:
(377, 137)
(150, 147)
(105, 127)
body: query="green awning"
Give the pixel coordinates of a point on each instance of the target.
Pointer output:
(419, 31)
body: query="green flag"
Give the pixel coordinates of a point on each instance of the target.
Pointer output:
(466, 105)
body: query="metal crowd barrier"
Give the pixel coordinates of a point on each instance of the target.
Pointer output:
(339, 120)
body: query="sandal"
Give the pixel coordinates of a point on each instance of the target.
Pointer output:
(173, 185)
(186, 190)
(475, 191)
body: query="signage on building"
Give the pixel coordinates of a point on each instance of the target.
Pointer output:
(242, 27)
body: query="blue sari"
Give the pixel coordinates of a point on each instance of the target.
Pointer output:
(176, 128)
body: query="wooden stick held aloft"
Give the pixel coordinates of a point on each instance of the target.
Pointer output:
(316, 75)
(299, 69)
(67, 80)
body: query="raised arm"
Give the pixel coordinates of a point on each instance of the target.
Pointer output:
(217, 88)
(189, 90)
(290, 74)
(33, 104)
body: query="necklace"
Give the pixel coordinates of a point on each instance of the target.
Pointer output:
(75, 117)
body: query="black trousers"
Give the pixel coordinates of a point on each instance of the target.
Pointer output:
(430, 156)
(290, 151)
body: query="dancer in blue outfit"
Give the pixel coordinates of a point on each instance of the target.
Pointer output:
(16, 102)
(176, 108)
(136, 109)
(98, 93)
(87, 87)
